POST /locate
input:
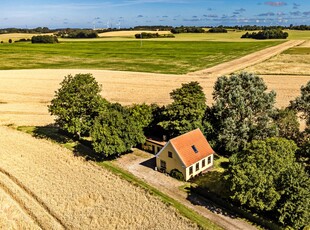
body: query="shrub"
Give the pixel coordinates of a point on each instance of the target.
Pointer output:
(23, 40)
(44, 39)
(177, 174)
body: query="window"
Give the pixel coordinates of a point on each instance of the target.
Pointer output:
(209, 160)
(194, 148)
(203, 163)
(191, 170)
(170, 154)
(197, 166)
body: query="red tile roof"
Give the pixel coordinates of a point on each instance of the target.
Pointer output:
(183, 145)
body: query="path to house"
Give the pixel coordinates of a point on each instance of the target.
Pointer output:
(142, 164)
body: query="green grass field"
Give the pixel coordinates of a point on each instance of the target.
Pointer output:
(176, 57)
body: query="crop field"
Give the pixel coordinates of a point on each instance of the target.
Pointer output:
(42, 185)
(58, 191)
(152, 56)
(294, 61)
(16, 36)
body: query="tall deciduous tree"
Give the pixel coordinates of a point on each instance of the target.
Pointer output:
(266, 177)
(77, 103)
(242, 111)
(186, 111)
(287, 122)
(294, 205)
(115, 131)
(302, 103)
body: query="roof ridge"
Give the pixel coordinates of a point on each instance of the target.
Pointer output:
(184, 134)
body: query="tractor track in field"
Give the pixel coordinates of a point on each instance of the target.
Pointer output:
(246, 61)
(37, 210)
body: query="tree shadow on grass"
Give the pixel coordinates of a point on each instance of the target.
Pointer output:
(80, 148)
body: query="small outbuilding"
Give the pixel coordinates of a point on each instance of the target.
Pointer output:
(190, 153)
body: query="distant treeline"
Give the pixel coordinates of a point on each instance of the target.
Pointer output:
(175, 30)
(154, 28)
(255, 27)
(219, 29)
(153, 35)
(30, 31)
(44, 39)
(266, 34)
(74, 33)
(187, 29)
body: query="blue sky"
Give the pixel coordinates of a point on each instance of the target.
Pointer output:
(128, 13)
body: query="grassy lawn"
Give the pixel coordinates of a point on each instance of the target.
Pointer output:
(52, 134)
(214, 180)
(159, 56)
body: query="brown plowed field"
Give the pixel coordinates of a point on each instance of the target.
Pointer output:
(58, 190)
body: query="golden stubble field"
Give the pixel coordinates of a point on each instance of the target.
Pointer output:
(43, 185)
(59, 191)
(25, 94)
(17, 36)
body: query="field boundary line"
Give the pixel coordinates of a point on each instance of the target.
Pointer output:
(29, 202)
(246, 61)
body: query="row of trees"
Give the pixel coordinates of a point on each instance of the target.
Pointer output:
(219, 29)
(268, 153)
(81, 111)
(266, 34)
(44, 39)
(187, 29)
(78, 33)
(145, 35)
(243, 111)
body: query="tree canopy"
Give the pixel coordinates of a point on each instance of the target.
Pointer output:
(187, 110)
(287, 123)
(76, 103)
(302, 103)
(266, 177)
(242, 110)
(115, 131)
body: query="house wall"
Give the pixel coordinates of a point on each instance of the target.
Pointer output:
(171, 163)
(201, 169)
(151, 147)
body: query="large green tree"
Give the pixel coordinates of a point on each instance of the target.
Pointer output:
(76, 103)
(115, 131)
(302, 103)
(287, 123)
(187, 110)
(242, 110)
(266, 177)
(294, 206)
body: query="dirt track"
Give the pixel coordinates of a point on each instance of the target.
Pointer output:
(50, 188)
(25, 94)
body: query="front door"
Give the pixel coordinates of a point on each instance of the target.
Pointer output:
(162, 165)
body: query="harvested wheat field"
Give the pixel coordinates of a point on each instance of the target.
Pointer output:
(17, 36)
(12, 216)
(59, 191)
